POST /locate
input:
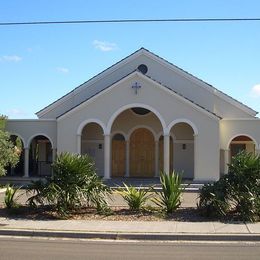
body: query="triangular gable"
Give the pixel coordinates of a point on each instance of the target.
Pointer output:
(130, 58)
(164, 87)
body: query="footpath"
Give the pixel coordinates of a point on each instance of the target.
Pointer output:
(138, 230)
(135, 230)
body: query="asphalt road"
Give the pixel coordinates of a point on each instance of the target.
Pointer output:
(38, 249)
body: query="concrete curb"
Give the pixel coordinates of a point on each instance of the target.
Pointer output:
(131, 236)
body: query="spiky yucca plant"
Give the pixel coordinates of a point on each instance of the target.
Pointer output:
(9, 200)
(135, 197)
(169, 199)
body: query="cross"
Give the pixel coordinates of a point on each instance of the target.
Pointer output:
(136, 86)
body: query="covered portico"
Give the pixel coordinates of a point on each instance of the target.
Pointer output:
(138, 133)
(137, 143)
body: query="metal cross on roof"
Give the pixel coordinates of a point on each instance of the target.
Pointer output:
(136, 86)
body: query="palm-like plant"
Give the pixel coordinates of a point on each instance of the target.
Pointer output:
(135, 197)
(73, 184)
(9, 200)
(169, 199)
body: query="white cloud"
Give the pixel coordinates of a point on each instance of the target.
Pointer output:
(104, 46)
(255, 91)
(62, 70)
(11, 58)
(15, 113)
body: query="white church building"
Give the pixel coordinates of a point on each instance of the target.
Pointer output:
(140, 116)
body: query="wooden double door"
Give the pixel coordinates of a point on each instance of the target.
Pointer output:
(142, 153)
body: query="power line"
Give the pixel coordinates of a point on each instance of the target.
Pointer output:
(131, 21)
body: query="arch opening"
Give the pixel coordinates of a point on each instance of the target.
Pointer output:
(92, 143)
(19, 147)
(241, 143)
(40, 156)
(182, 149)
(138, 148)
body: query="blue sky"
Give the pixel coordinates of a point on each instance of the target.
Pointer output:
(39, 64)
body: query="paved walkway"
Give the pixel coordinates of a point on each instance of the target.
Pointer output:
(161, 230)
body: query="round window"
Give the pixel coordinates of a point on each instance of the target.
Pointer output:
(143, 68)
(140, 111)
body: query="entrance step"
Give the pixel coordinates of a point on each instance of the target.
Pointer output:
(146, 183)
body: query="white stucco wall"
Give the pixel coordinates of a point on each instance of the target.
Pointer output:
(167, 106)
(26, 129)
(229, 129)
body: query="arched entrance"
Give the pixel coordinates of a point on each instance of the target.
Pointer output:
(40, 156)
(183, 149)
(118, 156)
(142, 153)
(241, 143)
(92, 143)
(19, 168)
(139, 162)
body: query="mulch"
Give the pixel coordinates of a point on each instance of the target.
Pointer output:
(115, 214)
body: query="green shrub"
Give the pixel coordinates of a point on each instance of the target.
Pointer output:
(9, 200)
(135, 197)
(213, 199)
(236, 194)
(169, 199)
(74, 184)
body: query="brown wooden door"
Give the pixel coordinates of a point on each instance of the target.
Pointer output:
(118, 158)
(142, 153)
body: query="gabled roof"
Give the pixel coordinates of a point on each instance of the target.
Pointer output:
(136, 72)
(216, 91)
(153, 56)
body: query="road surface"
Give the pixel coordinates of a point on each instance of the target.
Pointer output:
(40, 248)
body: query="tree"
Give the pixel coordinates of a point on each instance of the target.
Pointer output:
(9, 152)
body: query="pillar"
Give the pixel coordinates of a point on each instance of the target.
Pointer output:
(196, 156)
(107, 156)
(257, 152)
(26, 162)
(226, 161)
(166, 150)
(156, 158)
(78, 143)
(127, 154)
(54, 154)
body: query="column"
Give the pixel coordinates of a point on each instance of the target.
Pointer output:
(196, 156)
(54, 154)
(26, 162)
(166, 154)
(156, 158)
(107, 156)
(78, 143)
(127, 154)
(226, 161)
(257, 152)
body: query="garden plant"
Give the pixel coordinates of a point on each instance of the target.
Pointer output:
(74, 184)
(237, 194)
(169, 199)
(135, 197)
